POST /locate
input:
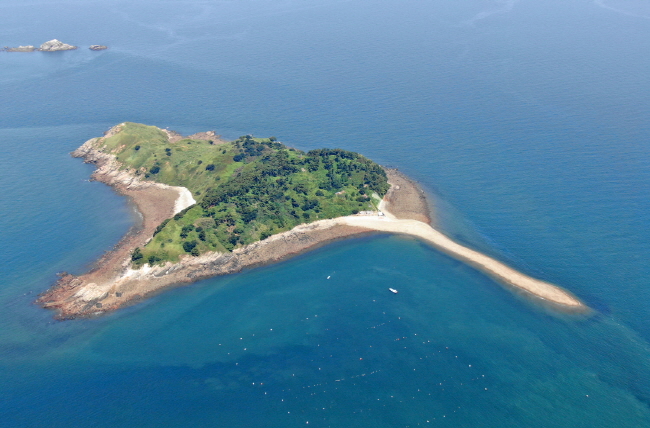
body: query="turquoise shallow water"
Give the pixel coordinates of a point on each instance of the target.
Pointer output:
(526, 121)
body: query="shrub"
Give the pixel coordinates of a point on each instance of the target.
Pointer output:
(153, 259)
(188, 246)
(186, 230)
(136, 254)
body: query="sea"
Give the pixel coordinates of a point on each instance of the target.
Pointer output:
(526, 121)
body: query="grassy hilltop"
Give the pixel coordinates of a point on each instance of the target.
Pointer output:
(246, 190)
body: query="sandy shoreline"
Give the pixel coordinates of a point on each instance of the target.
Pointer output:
(113, 284)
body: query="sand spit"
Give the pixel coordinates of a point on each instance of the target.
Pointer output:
(113, 284)
(484, 263)
(405, 208)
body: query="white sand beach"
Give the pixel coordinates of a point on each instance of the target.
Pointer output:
(184, 200)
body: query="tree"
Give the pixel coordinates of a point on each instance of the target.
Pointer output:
(186, 230)
(188, 246)
(153, 259)
(136, 254)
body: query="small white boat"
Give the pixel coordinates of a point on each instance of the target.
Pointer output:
(392, 290)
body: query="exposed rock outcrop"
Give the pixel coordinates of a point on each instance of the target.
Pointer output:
(111, 171)
(84, 296)
(54, 45)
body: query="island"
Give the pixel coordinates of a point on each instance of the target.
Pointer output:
(213, 207)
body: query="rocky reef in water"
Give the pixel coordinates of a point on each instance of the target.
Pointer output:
(28, 48)
(53, 45)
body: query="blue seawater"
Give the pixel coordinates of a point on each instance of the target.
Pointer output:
(526, 121)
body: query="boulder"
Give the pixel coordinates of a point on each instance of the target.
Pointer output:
(55, 45)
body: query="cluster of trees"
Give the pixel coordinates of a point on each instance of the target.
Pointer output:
(249, 147)
(254, 181)
(283, 189)
(275, 189)
(341, 165)
(190, 247)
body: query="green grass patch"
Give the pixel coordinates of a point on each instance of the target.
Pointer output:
(246, 190)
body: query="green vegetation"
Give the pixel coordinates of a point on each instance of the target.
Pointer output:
(247, 190)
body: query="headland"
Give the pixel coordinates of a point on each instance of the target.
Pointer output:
(308, 200)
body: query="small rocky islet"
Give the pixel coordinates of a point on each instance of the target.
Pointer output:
(53, 45)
